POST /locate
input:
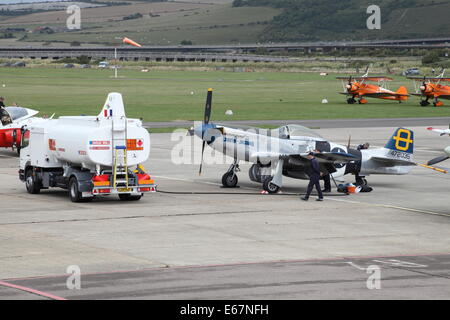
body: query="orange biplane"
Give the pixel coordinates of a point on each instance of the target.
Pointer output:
(357, 88)
(431, 88)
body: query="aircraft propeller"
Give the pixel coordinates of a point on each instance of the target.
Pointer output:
(349, 84)
(440, 158)
(423, 87)
(206, 119)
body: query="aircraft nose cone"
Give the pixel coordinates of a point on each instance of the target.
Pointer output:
(422, 88)
(200, 129)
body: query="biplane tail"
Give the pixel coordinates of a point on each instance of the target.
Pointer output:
(402, 90)
(402, 93)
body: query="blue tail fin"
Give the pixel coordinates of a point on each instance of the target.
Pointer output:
(402, 140)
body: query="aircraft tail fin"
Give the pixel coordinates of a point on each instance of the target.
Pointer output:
(402, 90)
(113, 106)
(402, 140)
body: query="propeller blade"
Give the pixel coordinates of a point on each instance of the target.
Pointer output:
(206, 119)
(437, 160)
(201, 161)
(208, 107)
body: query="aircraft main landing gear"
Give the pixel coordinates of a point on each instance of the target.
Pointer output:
(269, 186)
(230, 179)
(351, 100)
(424, 103)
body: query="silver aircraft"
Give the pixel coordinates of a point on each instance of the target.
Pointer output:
(282, 152)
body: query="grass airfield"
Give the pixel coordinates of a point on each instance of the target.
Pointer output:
(166, 95)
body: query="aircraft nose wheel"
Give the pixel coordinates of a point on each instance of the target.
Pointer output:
(269, 186)
(229, 180)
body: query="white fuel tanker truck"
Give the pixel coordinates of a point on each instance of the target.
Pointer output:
(88, 155)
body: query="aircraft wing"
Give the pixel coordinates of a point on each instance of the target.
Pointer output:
(440, 131)
(388, 162)
(431, 79)
(324, 157)
(377, 79)
(444, 96)
(268, 156)
(335, 157)
(373, 79)
(385, 94)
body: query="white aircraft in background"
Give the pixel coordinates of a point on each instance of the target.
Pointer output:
(442, 132)
(282, 152)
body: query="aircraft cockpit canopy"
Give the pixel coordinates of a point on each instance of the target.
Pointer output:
(295, 131)
(16, 112)
(10, 114)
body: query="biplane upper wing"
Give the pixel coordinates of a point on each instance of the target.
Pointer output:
(371, 78)
(431, 79)
(378, 79)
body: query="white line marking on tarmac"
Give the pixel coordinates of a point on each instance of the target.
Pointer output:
(328, 198)
(393, 207)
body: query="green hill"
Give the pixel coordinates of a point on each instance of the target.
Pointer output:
(158, 22)
(312, 20)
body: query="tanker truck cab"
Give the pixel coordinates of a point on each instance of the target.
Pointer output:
(89, 156)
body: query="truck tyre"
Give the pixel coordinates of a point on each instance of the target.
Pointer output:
(129, 197)
(74, 193)
(33, 186)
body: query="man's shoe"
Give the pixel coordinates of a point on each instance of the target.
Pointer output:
(319, 199)
(304, 198)
(326, 190)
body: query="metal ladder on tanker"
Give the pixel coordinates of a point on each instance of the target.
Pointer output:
(119, 153)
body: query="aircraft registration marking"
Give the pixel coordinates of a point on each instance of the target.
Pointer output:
(401, 155)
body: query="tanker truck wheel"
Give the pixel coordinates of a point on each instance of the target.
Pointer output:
(33, 187)
(129, 197)
(74, 193)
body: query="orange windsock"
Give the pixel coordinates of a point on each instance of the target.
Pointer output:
(133, 43)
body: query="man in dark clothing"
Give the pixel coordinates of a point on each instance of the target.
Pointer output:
(358, 179)
(363, 146)
(2, 104)
(326, 183)
(314, 178)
